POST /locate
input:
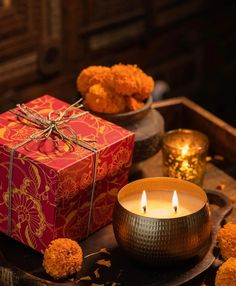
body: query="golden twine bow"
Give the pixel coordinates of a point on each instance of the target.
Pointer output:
(54, 124)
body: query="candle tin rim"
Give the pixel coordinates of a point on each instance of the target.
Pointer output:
(163, 179)
(186, 131)
(164, 219)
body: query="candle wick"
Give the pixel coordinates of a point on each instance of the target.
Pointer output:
(144, 209)
(175, 209)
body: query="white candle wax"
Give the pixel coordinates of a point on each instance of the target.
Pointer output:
(159, 204)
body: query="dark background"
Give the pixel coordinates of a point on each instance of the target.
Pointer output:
(190, 44)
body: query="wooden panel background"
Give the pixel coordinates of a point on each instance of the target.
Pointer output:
(190, 44)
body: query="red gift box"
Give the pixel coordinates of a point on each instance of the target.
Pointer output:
(50, 192)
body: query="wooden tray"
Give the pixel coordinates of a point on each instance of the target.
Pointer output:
(20, 263)
(178, 113)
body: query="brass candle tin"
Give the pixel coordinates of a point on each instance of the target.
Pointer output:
(184, 155)
(161, 242)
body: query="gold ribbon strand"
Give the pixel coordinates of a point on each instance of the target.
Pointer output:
(54, 124)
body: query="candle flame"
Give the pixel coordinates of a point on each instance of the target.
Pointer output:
(144, 201)
(175, 202)
(184, 150)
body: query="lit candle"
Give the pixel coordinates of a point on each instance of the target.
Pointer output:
(162, 203)
(162, 220)
(184, 155)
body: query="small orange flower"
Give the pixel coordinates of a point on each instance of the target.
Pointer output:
(226, 274)
(226, 238)
(62, 258)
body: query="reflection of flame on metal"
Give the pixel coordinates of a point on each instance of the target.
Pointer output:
(144, 202)
(184, 150)
(185, 164)
(175, 201)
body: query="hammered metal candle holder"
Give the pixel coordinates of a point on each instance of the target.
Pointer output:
(161, 242)
(184, 155)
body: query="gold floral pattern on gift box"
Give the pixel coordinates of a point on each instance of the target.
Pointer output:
(29, 216)
(51, 185)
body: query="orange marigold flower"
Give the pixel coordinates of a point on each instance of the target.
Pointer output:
(90, 76)
(101, 99)
(226, 274)
(227, 240)
(117, 89)
(63, 257)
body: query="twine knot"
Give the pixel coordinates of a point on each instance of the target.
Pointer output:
(55, 123)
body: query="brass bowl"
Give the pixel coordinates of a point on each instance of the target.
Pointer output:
(157, 241)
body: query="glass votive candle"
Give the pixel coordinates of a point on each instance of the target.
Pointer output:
(184, 155)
